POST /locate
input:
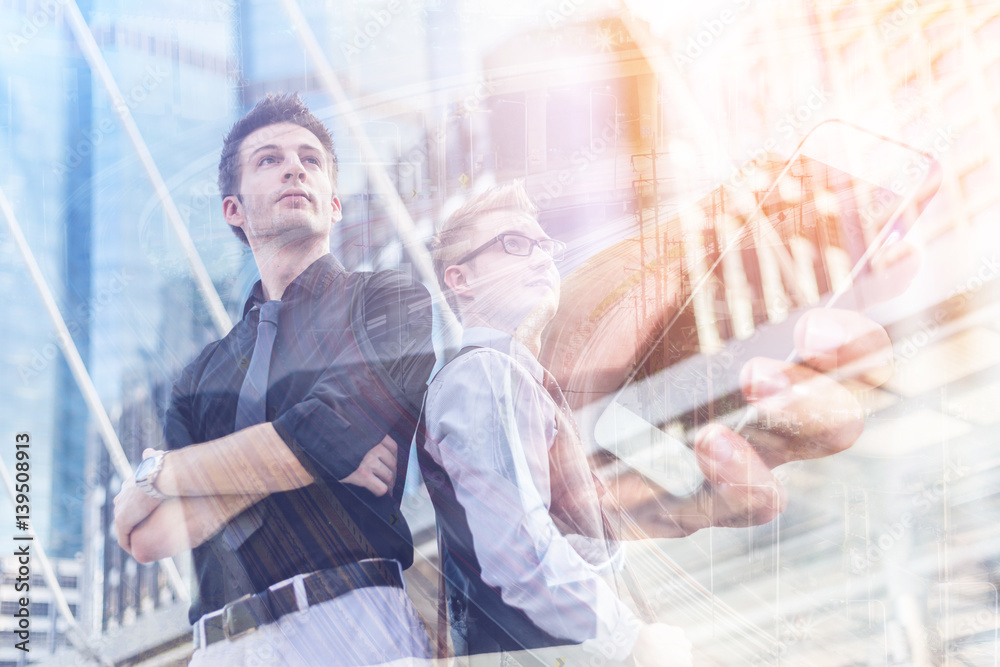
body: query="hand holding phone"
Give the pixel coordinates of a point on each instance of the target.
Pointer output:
(802, 264)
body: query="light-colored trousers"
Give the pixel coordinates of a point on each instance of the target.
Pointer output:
(367, 626)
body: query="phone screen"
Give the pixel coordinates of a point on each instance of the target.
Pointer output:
(805, 242)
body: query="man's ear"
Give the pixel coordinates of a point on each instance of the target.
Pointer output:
(338, 213)
(457, 280)
(232, 211)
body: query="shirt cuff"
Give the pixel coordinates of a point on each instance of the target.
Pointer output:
(336, 463)
(617, 628)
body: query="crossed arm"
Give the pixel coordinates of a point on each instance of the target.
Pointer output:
(215, 481)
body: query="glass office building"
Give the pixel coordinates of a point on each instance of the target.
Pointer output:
(623, 118)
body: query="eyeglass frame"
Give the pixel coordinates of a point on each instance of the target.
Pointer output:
(556, 255)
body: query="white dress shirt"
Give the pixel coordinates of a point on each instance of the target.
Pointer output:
(490, 424)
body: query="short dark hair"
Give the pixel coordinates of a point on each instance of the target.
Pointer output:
(271, 110)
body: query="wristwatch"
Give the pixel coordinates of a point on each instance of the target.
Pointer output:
(147, 472)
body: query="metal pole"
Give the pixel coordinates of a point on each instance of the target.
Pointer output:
(79, 638)
(80, 374)
(85, 40)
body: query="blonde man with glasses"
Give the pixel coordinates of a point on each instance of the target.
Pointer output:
(526, 557)
(527, 544)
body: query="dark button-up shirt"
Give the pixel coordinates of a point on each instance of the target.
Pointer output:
(349, 365)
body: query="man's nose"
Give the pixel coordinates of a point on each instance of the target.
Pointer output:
(540, 259)
(294, 169)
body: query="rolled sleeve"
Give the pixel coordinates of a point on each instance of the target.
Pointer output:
(324, 441)
(374, 385)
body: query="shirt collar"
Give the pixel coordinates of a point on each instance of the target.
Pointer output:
(314, 279)
(503, 342)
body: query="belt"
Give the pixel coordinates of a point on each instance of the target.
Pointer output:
(252, 611)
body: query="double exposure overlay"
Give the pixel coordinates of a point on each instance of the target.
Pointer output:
(597, 332)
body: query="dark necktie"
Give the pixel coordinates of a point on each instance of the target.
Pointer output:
(252, 405)
(252, 409)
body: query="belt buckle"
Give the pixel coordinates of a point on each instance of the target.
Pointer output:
(238, 618)
(207, 630)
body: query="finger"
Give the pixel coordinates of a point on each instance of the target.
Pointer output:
(148, 452)
(377, 486)
(121, 500)
(128, 483)
(386, 455)
(375, 458)
(741, 489)
(389, 444)
(846, 342)
(390, 474)
(380, 471)
(123, 533)
(123, 541)
(798, 413)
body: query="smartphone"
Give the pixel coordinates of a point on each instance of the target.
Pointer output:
(766, 256)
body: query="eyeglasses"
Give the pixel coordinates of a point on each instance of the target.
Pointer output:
(520, 246)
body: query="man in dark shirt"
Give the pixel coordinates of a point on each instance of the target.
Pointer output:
(294, 519)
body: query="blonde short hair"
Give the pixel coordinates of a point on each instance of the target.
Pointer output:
(453, 237)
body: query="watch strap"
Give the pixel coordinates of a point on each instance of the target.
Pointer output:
(147, 483)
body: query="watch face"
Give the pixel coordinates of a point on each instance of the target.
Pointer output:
(145, 467)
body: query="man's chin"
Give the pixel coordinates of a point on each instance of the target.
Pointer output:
(304, 222)
(289, 231)
(542, 312)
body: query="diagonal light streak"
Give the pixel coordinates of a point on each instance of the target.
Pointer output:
(83, 380)
(87, 44)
